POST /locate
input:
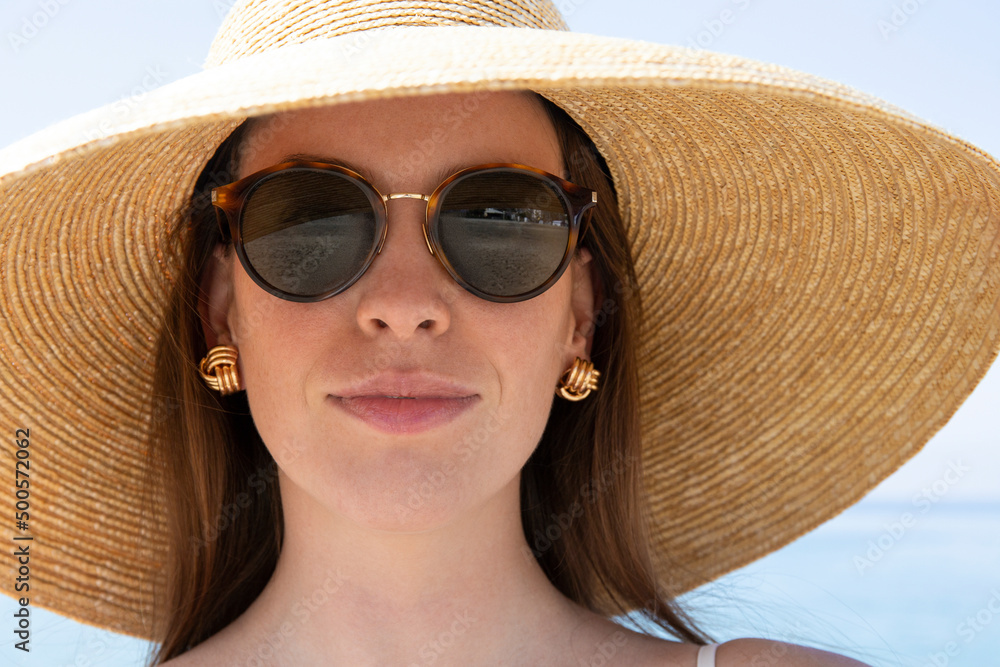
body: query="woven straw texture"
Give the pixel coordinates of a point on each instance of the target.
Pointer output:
(820, 272)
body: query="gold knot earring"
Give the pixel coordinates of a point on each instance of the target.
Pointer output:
(578, 381)
(218, 370)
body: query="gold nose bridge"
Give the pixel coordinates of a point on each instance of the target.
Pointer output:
(411, 195)
(406, 195)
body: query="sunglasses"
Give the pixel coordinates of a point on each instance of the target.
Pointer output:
(305, 231)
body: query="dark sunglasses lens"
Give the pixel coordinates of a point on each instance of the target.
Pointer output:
(505, 233)
(308, 232)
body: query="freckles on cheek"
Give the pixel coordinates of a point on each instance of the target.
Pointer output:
(261, 328)
(530, 351)
(275, 371)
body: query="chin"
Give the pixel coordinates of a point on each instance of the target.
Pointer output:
(397, 490)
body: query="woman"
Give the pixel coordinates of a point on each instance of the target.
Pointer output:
(431, 516)
(344, 365)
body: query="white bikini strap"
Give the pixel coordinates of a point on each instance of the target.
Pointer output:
(706, 655)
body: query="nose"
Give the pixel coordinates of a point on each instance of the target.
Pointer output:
(405, 290)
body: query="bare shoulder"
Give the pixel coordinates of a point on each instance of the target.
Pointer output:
(768, 653)
(627, 647)
(644, 650)
(183, 660)
(192, 658)
(209, 652)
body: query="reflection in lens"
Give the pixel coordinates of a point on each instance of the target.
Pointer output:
(308, 232)
(504, 233)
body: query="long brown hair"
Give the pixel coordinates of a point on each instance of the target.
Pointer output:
(582, 500)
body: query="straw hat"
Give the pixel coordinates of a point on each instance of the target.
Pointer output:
(820, 271)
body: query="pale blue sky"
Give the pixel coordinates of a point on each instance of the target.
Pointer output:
(939, 60)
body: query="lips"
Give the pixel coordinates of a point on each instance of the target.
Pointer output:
(399, 403)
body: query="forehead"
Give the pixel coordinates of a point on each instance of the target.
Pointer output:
(413, 142)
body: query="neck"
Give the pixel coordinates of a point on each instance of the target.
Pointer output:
(458, 593)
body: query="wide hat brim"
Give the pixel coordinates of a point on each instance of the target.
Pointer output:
(819, 273)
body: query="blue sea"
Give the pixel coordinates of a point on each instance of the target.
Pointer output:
(886, 583)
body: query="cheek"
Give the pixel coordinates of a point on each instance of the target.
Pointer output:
(273, 349)
(260, 326)
(531, 358)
